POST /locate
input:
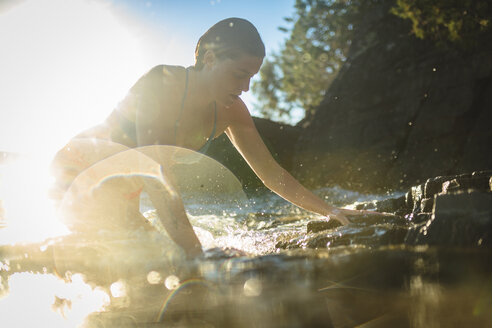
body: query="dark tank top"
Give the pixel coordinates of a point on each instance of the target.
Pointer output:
(129, 127)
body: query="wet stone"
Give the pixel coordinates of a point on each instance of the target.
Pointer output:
(434, 186)
(372, 236)
(459, 219)
(408, 202)
(427, 204)
(368, 230)
(477, 182)
(418, 217)
(373, 219)
(417, 195)
(484, 173)
(316, 226)
(366, 206)
(391, 205)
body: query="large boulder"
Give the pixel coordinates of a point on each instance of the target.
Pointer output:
(444, 211)
(461, 218)
(401, 110)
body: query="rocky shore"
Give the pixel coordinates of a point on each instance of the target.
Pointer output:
(444, 211)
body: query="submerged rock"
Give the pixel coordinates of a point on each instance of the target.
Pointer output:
(367, 230)
(316, 226)
(444, 211)
(458, 219)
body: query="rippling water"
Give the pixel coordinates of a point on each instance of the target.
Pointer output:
(243, 280)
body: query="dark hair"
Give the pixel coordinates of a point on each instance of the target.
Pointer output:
(230, 38)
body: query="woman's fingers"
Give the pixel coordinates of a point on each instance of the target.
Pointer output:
(340, 218)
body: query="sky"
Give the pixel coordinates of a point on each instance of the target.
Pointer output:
(65, 64)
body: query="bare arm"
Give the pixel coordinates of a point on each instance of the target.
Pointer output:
(244, 136)
(149, 128)
(173, 216)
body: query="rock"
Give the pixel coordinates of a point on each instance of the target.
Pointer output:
(420, 198)
(465, 182)
(395, 116)
(449, 186)
(316, 226)
(459, 219)
(366, 206)
(370, 236)
(373, 219)
(391, 205)
(417, 218)
(434, 186)
(365, 230)
(426, 204)
(417, 195)
(408, 202)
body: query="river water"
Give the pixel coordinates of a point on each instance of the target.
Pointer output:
(143, 280)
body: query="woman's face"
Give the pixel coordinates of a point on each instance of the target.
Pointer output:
(231, 77)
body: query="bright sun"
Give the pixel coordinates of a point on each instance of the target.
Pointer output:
(65, 64)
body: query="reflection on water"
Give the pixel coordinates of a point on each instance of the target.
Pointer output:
(24, 204)
(142, 279)
(44, 300)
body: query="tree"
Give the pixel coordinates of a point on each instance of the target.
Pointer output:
(301, 72)
(321, 32)
(446, 21)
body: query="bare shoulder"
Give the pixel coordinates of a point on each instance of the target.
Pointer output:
(161, 79)
(238, 114)
(156, 94)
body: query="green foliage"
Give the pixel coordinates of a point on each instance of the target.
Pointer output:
(444, 21)
(321, 32)
(300, 73)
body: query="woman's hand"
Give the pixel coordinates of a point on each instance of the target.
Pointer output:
(340, 214)
(194, 252)
(337, 214)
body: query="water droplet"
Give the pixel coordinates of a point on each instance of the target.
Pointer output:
(118, 289)
(171, 282)
(154, 278)
(252, 287)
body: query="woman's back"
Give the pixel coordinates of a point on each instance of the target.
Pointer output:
(152, 102)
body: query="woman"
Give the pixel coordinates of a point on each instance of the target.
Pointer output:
(188, 107)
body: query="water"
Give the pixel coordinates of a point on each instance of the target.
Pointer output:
(244, 280)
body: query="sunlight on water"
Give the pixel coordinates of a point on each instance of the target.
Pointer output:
(67, 55)
(234, 231)
(43, 300)
(29, 215)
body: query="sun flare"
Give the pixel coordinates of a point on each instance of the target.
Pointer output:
(65, 64)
